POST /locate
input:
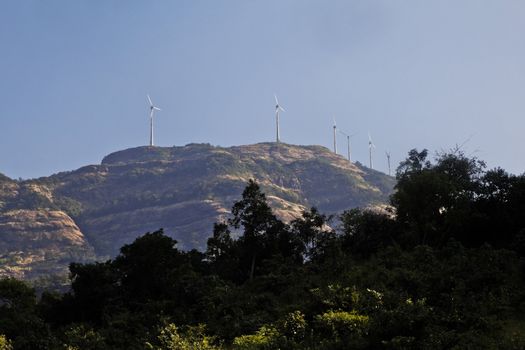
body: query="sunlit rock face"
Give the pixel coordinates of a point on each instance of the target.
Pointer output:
(35, 242)
(96, 209)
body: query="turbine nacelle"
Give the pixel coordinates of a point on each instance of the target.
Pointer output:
(152, 107)
(370, 143)
(345, 134)
(277, 105)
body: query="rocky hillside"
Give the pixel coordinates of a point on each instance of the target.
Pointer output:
(36, 237)
(93, 211)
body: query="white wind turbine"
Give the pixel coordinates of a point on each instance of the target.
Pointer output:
(152, 109)
(335, 137)
(370, 146)
(348, 144)
(278, 109)
(388, 160)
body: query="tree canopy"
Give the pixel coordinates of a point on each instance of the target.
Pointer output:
(442, 268)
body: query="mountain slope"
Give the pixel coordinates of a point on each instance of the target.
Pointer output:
(185, 190)
(36, 238)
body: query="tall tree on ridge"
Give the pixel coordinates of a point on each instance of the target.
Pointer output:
(254, 214)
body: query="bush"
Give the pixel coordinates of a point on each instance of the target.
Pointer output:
(293, 326)
(265, 338)
(341, 329)
(193, 338)
(5, 344)
(81, 337)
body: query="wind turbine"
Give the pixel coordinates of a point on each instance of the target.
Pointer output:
(370, 146)
(152, 109)
(388, 159)
(335, 137)
(348, 144)
(278, 109)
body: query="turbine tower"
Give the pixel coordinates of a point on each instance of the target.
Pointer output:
(335, 137)
(152, 109)
(370, 146)
(278, 109)
(348, 144)
(388, 160)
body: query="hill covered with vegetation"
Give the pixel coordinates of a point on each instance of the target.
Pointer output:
(444, 269)
(91, 212)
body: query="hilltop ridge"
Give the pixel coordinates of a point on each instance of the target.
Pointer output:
(183, 189)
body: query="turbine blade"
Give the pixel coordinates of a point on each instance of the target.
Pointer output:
(282, 109)
(276, 100)
(157, 108)
(149, 99)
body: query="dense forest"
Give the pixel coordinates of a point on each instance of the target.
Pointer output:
(442, 268)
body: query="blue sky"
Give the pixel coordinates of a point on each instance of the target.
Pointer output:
(417, 74)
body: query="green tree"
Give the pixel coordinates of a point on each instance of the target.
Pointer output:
(146, 266)
(95, 287)
(366, 231)
(222, 253)
(254, 214)
(309, 229)
(19, 320)
(434, 201)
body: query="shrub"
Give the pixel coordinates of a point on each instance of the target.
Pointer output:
(341, 329)
(265, 338)
(5, 344)
(193, 338)
(293, 326)
(81, 337)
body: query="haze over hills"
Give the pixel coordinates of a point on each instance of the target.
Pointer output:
(91, 212)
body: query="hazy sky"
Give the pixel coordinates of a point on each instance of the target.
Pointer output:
(417, 74)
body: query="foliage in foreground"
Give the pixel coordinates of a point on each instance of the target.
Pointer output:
(443, 270)
(4, 343)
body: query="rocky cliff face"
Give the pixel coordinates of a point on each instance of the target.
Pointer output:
(184, 190)
(35, 242)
